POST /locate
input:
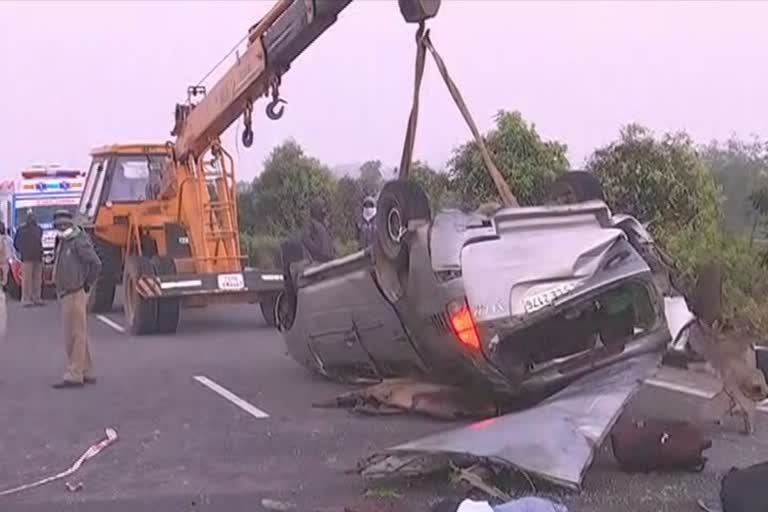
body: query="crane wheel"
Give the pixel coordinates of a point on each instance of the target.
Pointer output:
(140, 312)
(268, 305)
(102, 294)
(168, 309)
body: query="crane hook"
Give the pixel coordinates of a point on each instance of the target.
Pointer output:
(273, 112)
(248, 137)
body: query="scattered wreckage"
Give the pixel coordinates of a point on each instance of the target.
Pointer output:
(559, 308)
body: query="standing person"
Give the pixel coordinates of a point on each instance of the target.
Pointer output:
(76, 268)
(315, 237)
(366, 227)
(29, 243)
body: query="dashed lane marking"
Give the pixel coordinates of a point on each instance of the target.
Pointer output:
(116, 326)
(225, 393)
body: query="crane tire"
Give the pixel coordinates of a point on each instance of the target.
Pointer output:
(102, 295)
(140, 312)
(168, 308)
(268, 305)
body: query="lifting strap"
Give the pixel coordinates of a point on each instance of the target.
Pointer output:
(423, 44)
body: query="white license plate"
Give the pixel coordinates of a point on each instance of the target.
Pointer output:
(543, 299)
(231, 282)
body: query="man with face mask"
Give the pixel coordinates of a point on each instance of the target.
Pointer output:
(76, 268)
(29, 243)
(315, 237)
(366, 229)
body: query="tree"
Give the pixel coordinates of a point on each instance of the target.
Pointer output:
(436, 184)
(284, 190)
(738, 166)
(528, 163)
(346, 208)
(371, 177)
(759, 201)
(662, 182)
(246, 211)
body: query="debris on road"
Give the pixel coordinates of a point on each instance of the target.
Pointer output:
(77, 487)
(91, 452)
(279, 506)
(527, 504)
(479, 477)
(398, 396)
(555, 440)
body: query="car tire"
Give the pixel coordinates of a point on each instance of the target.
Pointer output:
(168, 309)
(575, 187)
(102, 295)
(399, 203)
(140, 313)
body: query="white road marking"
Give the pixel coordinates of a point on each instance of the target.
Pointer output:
(224, 392)
(116, 326)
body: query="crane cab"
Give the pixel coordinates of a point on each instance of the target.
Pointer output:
(167, 234)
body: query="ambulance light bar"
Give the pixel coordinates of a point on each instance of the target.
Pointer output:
(47, 173)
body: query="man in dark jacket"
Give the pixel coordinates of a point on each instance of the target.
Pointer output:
(76, 268)
(366, 227)
(315, 237)
(29, 243)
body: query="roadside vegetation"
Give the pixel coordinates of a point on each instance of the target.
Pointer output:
(699, 201)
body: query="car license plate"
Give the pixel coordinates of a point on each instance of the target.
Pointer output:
(543, 299)
(231, 282)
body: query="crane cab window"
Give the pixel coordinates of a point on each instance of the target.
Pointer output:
(135, 178)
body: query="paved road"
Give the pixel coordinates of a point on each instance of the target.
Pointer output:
(184, 447)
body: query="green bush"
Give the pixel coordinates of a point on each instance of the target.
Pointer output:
(263, 251)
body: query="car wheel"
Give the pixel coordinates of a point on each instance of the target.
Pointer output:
(400, 202)
(140, 312)
(575, 187)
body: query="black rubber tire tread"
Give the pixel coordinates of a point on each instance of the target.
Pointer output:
(268, 305)
(583, 185)
(169, 309)
(411, 200)
(144, 319)
(291, 251)
(102, 295)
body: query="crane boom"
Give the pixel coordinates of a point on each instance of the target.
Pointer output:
(273, 43)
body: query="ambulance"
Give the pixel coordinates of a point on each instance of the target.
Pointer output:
(43, 190)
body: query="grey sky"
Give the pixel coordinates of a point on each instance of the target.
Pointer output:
(77, 75)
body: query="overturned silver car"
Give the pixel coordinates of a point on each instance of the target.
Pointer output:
(517, 303)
